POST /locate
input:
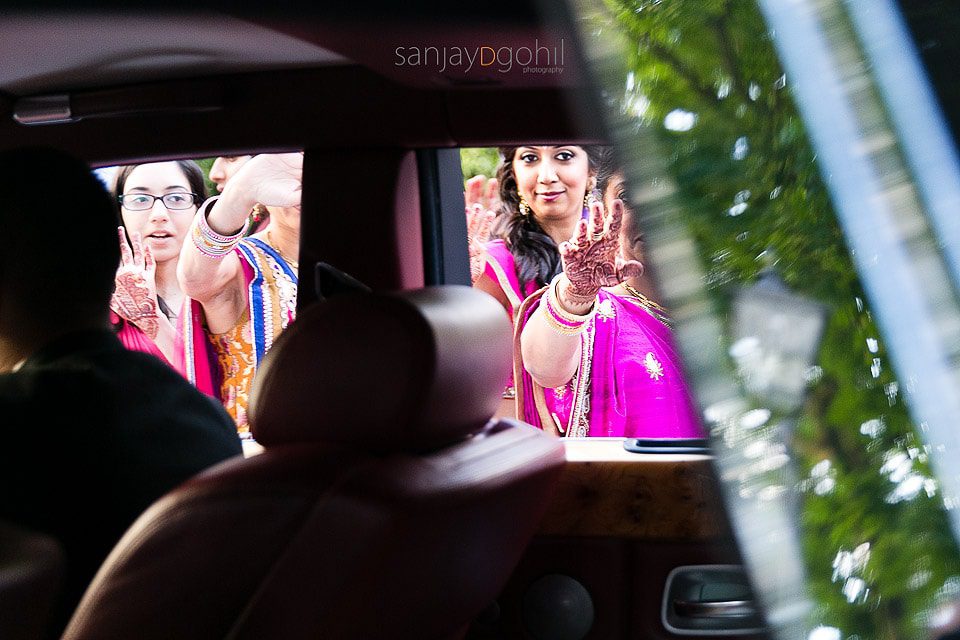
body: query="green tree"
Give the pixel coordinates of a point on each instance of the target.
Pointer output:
(705, 76)
(479, 161)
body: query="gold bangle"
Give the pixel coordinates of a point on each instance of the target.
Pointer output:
(564, 313)
(563, 330)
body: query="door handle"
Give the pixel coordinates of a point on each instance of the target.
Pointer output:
(715, 608)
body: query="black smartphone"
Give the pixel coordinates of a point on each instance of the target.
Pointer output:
(667, 445)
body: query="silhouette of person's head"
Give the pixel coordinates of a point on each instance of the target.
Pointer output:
(58, 247)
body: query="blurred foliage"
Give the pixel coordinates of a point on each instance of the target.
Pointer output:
(205, 164)
(479, 161)
(705, 75)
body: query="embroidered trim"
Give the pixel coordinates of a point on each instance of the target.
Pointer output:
(504, 282)
(605, 310)
(648, 305)
(186, 318)
(653, 366)
(579, 421)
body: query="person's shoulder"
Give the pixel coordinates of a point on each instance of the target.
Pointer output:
(498, 257)
(496, 247)
(158, 396)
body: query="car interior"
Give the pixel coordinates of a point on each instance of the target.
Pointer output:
(412, 516)
(411, 540)
(363, 525)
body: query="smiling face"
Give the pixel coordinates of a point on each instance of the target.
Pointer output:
(163, 230)
(553, 180)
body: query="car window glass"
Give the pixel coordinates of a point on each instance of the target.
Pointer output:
(819, 448)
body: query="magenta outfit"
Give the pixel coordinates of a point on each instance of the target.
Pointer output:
(133, 339)
(500, 267)
(628, 383)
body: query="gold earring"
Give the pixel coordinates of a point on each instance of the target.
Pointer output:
(523, 206)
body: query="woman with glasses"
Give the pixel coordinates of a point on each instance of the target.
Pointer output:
(243, 290)
(157, 204)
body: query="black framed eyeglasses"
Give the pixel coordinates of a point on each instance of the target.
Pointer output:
(144, 201)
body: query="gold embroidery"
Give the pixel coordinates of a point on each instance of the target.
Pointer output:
(648, 305)
(653, 366)
(235, 355)
(579, 424)
(236, 348)
(504, 283)
(605, 310)
(560, 392)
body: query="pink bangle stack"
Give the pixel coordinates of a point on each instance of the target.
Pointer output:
(209, 242)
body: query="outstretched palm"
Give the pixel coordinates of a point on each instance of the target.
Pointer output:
(135, 293)
(591, 257)
(481, 204)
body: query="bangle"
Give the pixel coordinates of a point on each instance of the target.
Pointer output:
(561, 320)
(209, 242)
(575, 298)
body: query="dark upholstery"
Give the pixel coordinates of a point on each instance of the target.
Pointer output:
(384, 505)
(31, 576)
(405, 373)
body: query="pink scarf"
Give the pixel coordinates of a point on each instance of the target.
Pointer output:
(629, 382)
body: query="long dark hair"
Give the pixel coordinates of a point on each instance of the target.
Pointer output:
(534, 252)
(609, 167)
(195, 181)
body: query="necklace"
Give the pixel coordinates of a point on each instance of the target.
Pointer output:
(652, 307)
(293, 263)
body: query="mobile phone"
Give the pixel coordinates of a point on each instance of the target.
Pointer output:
(667, 445)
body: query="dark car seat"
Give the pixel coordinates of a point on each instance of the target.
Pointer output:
(385, 504)
(31, 576)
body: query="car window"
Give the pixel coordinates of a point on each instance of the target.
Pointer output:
(776, 221)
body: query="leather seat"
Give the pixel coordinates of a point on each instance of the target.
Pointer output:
(31, 576)
(386, 504)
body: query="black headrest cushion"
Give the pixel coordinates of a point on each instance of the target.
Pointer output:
(409, 371)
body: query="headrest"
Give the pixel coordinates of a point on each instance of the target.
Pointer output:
(407, 372)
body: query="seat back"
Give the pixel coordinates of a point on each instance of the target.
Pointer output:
(399, 517)
(31, 576)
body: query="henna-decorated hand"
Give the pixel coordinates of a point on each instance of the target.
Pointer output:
(483, 192)
(480, 216)
(135, 294)
(591, 258)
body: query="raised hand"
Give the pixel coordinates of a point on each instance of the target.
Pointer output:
(271, 179)
(482, 203)
(591, 257)
(481, 191)
(135, 294)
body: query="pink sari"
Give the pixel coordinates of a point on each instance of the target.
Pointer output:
(500, 267)
(133, 339)
(195, 356)
(629, 383)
